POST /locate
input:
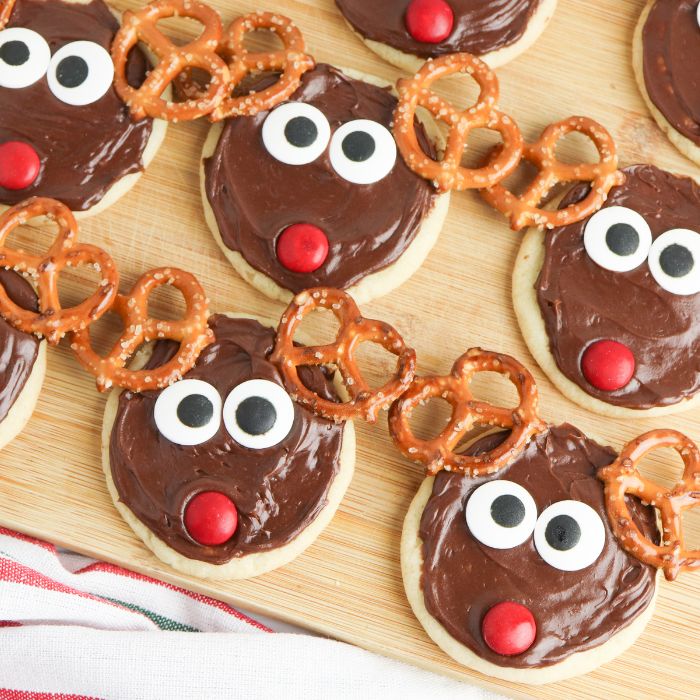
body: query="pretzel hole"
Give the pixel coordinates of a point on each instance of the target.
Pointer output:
(105, 332)
(663, 466)
(75, 284)
(180, 30)
(138, 63)
(376, 364)
(319, 327)
(429, 419)
(323, 381)
(690, 519)
(480, 146)
(495, 389)
(166, 303)
(575, 148)
(521, 178)
(262, 40)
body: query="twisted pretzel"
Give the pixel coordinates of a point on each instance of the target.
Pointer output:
(439, 453)
(146, 100)
(622, 477)
(52, 321)
(364, 401)
(526, 210)
(449, 174)
(192, 332)
(291, 61)
(6, 7)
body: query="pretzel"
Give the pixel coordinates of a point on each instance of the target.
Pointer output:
(354, 330)
(439, 453)
(146, 100)
(526, 210)
(52, 321)
(291, 61)
(622, 477)
(6, 7)
(192, 332)
(449, 174)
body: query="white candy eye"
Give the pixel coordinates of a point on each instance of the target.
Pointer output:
(363, 151)
(80, 73)
(697, 13)
(569, 535)
(258, 414)
(501, 514)
(674, 261)
(296, 133)
(188, 412)
(24, 57)
(617, 238)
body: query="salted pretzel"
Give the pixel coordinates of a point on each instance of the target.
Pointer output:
(526, 209)
(622, 477)
(291, 61)
(52, 321)
(364, 402)
(439, 453)
(449, 174)
(6, 7)
(141, 26)
(191, 332)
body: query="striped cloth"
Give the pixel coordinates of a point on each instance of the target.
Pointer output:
(73, 628)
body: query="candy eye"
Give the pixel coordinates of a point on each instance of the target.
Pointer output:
(188, 412)
(363, 151)
(296, 133)
(501, 514)
(617, 238)
(24, 57)
(80, 73)
(258, 414)
(674, 261)
(569, 535)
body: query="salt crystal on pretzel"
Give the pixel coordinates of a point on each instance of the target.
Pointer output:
(440, 453)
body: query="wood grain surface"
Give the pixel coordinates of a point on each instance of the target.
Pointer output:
(348, 585)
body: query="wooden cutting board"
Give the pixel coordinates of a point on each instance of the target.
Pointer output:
(348, 585)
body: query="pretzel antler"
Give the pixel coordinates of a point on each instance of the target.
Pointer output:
(449, 174)
(6, 7)
(364, 401)
(439, 453)
(526, 210)
(622, 477)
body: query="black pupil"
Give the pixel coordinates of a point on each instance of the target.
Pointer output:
(676, 260)
(14, 53)
(301, 132)
(72, 71)
(508, 510)
(359, 146)
(195, 411)
(622, 239)
(256, 415)
(562, 533)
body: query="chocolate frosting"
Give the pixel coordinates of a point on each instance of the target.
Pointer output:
(18, 350)
(671, 43)
(255, 197)
(582, 302)
(278, 491)
(83, 150)
(573, 610)
(480, 26)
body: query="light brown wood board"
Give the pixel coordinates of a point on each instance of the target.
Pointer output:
(348, 585)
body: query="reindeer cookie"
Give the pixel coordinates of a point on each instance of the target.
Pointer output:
(529, 555)
(666, 49)
(307, 188)
(609, 306)
(406, 32)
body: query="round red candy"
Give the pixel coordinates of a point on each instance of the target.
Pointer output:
(211, 518)
(302, 248)
(429, 21)
(19, 165)
(509, 628)
(608, 365)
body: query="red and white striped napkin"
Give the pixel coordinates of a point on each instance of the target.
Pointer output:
(72, 628)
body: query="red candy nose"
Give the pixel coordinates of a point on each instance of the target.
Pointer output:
(211, 518)
(429, 21)
(302, 248)
(608, 365)
(509, 628)
(19, 165)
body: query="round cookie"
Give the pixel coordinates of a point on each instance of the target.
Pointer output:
(666, 49)
(284, 494)
(618, 341)
(361, 222)
(455, 581)
(407, 32)
(64, 132)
